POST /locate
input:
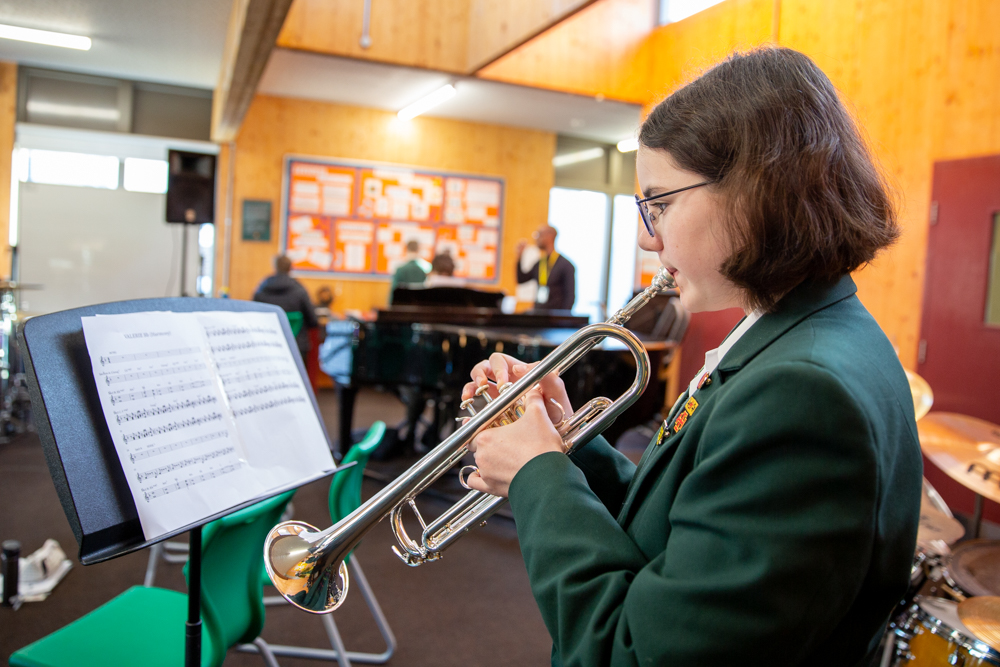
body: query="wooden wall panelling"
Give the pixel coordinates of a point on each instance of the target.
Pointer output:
(8, 119)
(421, 33)
(677, 52)
(275, 127)
(497, 27)
(597, 51)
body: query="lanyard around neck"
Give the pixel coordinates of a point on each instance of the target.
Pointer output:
(545, 267)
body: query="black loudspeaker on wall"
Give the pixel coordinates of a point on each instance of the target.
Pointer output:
(191, 188)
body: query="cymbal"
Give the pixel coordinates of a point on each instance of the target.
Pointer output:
(923, 397)
(965, 448)
(981, 615)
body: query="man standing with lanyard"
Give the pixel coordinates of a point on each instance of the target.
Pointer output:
(555, 274)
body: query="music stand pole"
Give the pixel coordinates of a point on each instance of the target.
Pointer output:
(192, 638)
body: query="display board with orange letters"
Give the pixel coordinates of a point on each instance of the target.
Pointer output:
(355, 218)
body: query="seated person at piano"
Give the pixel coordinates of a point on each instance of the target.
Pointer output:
(773, 517)
(443, 272)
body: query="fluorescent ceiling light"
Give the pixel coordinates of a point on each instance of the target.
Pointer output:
(45, 37)
(579, 156)
(442, 94)
(628, 145)
(73, 111)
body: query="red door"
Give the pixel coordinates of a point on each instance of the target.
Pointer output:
(959, 354)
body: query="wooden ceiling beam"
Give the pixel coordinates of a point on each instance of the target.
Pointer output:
(253, 29)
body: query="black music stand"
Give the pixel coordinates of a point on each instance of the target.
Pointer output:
(79, 450)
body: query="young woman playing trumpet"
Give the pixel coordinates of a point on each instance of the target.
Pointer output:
(772, 519)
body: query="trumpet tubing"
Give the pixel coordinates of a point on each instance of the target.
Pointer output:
(307, 565)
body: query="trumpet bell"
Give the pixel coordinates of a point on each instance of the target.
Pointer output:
(300, 571)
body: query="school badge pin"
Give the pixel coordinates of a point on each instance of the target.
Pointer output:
(661, 434)
(689, 407)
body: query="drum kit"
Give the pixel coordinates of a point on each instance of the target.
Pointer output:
(951, 613)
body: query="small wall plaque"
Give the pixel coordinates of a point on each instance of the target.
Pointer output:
(256, 220)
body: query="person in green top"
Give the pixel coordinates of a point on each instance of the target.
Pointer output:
(412, 272)
(773, 518)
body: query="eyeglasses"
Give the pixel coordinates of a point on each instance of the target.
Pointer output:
(644, 210)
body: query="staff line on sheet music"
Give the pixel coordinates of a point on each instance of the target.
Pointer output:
(191, 481)
(236, 331)
(140, 356)
(247, 360)
(173, 426)
(264, 389)
(157, 391)
(163, 449)
(184, 463)
(267, 406)
(247, 377)
(248, 345)
(166, 409)
(159, 372)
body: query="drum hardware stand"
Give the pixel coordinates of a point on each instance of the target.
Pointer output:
(977, 517)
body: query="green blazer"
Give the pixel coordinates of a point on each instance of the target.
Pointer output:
(777, 526)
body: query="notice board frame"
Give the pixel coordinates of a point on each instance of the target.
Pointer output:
(359, 164)
(70, 421)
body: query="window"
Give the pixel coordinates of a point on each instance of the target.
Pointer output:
(145, 175)
(581, 218)
(79, 169)
(672, 11)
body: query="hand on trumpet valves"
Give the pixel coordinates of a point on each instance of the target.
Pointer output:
(502, 451)
(503, 368)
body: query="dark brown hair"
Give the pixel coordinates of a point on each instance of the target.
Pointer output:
(803, 195)
(443, 264)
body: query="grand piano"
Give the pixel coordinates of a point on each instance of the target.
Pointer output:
(426, 353)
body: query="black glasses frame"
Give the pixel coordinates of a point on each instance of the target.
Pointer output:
(644, 210)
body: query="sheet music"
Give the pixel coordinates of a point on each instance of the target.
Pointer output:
(207, 410)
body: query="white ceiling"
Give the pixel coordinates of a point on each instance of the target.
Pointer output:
(178, 42)
(389, 87)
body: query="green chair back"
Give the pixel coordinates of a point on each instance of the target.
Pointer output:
(345, 489)
(232, 547)
(295, 321)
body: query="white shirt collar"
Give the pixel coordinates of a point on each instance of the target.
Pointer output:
(713, 357)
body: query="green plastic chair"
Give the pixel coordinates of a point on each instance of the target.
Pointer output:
(344, 498)
(146, 625)
(295, 321)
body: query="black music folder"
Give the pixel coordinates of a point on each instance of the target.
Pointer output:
(81, 455)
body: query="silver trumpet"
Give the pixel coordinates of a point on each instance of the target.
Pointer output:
(308, 566)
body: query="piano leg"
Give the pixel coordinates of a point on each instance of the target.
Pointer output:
(347, 394)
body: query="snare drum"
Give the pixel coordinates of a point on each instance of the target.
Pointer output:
(932, 635)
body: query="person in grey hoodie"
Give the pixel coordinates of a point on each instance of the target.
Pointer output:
(280, 289)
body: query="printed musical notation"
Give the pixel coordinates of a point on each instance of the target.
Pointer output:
(138, 394)
(250, 409)
(190, 481)
(250, 377)
(212, 332)
(164, 449)
(247, 345)
(183, 463)
(262, 389)
(143, 356)
(201, 433)
(242, 361)
(171, 427)
(176, 406)
(154, 373)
